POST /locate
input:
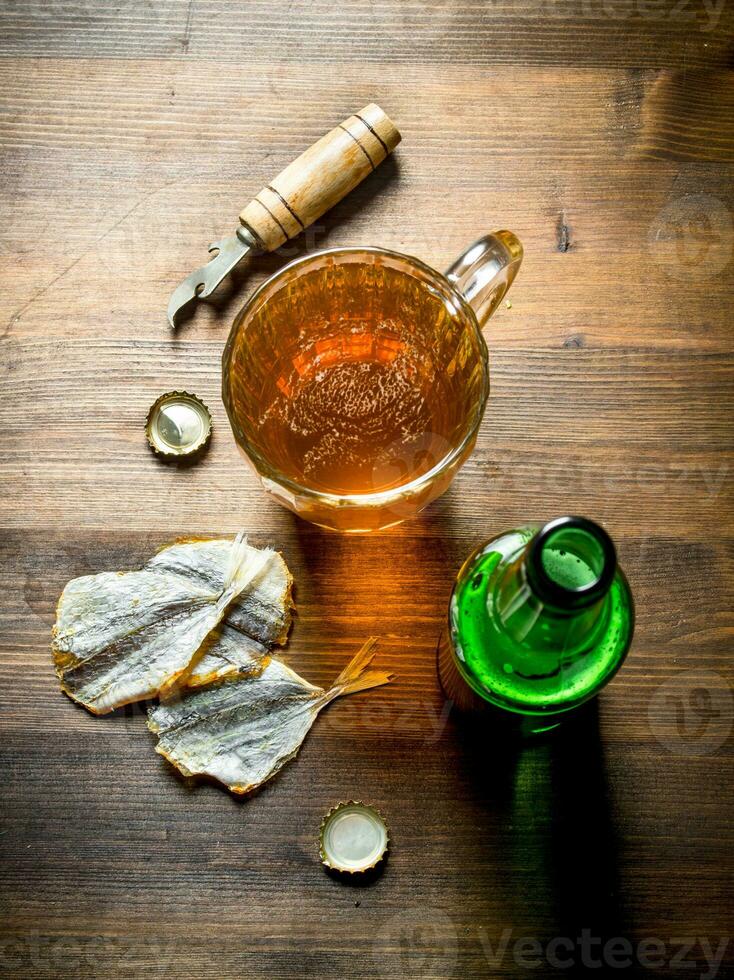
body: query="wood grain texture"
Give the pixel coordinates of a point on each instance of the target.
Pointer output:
(602, 133)
(619, 33)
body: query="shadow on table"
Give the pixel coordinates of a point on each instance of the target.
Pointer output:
(542, 821)
(548, 799)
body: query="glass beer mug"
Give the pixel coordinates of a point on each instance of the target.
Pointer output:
(355, 379)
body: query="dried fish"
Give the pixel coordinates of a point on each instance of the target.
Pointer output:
(243, 731)
(263, 611)
(125, 636)
(225, 653)
(257, 620)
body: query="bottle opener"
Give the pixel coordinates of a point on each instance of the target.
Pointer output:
(300, 194)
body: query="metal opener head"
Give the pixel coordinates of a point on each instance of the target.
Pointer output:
(203, 281)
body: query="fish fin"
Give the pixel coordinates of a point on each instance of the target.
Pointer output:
(243, 567)
(355, 676)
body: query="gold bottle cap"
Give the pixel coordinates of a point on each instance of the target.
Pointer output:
(354, 838)
(178, 424)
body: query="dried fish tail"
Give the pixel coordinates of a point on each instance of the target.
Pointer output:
(355, 676)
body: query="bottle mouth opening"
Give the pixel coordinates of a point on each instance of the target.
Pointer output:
(571, 563)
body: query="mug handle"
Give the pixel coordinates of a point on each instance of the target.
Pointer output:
(485, 271)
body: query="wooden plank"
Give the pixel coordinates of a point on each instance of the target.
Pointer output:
(693, 628)
(602, 426)
(577, 190)
(619, 33)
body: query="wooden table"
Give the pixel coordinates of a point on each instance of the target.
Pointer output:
(602, 133)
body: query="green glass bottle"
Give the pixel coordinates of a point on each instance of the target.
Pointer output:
(540, 620)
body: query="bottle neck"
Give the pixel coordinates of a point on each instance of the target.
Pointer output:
(553, 594)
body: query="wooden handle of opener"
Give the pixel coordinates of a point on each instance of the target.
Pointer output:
(320, 177)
